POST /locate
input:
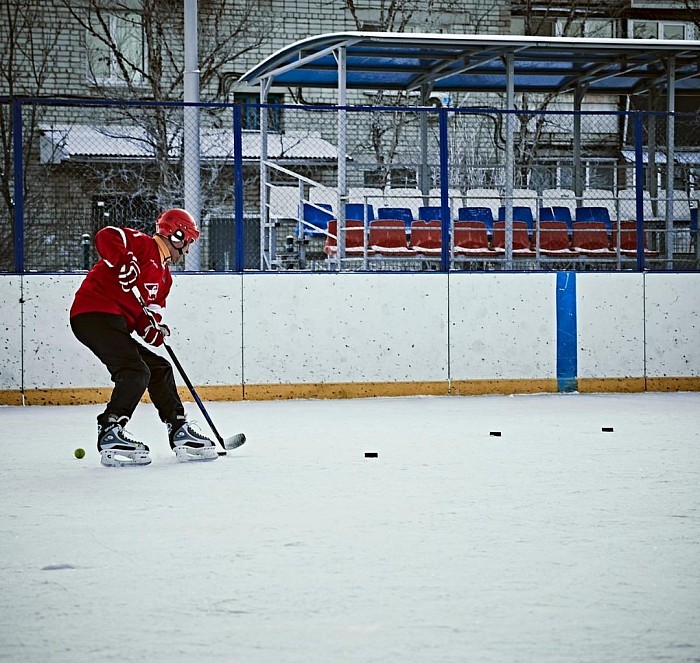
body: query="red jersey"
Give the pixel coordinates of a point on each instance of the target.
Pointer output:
(101, 292)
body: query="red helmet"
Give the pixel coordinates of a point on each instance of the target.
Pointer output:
(178, 226)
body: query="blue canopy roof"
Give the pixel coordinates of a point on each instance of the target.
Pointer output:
(407, 61)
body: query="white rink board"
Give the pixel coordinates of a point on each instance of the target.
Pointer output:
(204, 311)
(673, 325)
(282, 329)
(610, 322)
(312, 328)
(10, 333)
(53, 357)
(503, 326)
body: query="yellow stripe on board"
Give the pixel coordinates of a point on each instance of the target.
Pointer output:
(482, 387)
(612, 385)
(262, 392)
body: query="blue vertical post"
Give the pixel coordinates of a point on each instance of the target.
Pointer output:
(567, 339)
(238, 228)
(18, 185)
(444, 193)
(639, 186)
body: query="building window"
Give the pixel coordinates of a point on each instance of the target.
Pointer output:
(661, 30)
(544, 26)
(251, 111)
(603, 28)
(393, 176)
(116, 53)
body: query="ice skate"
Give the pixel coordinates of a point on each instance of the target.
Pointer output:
(189, 444)
(116, 447)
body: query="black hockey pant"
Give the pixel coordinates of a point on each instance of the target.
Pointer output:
(133, 367)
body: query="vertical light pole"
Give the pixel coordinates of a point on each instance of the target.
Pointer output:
(191, 156)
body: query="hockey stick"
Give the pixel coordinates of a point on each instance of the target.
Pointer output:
(230, 442)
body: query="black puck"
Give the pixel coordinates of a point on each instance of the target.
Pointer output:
(607, 429)
(371, 454)
(495, 433)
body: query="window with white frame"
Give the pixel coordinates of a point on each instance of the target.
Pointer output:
(643, 29)
(116, 53)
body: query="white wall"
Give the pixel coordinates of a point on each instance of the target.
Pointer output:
(287, 329)
(610, 320)
(345, 328)
(672, 325)
(502, 326)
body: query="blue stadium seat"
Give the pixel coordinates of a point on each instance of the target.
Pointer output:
(400, 213)
(482, 214)
(594, 215)
(519, 214)
(430, 213)
(557, 213)
(317, 217)
(356, 212)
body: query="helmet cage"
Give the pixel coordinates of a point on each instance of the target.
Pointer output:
(178, 226)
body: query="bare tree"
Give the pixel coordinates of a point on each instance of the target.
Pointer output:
(387, 130)
(547, 17)
(122, 68)
(28, 53)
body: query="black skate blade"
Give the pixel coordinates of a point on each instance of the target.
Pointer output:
(234, 442)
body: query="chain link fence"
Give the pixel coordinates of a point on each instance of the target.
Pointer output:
(418, 188)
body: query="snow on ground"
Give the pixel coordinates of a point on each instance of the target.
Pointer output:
(554, 542)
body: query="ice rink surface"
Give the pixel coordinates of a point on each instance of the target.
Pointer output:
(554, 542)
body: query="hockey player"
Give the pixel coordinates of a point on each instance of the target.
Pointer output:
(103, 316)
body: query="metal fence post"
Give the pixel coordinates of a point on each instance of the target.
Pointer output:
(446, 215)
(639, 187)
(18, 183)
(238, 228)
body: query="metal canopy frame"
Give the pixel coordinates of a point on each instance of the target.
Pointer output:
(406, 61)
(477, 63)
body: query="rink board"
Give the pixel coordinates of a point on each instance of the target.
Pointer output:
(259, 336)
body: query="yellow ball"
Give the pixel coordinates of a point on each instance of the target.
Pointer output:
(79, 453)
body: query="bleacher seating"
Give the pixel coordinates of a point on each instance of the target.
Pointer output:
(557, 213)
(358, 212)
(471, 240)
(554, 238)
(426, 238)
(600, 198)
(521, 239)
(590, 238)
(318, 218)
(594, 214)
(387, 237)
(403, 213)
(483, 214)
(354, 238)
(628, 241)
(519, 214)
(430, 213)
